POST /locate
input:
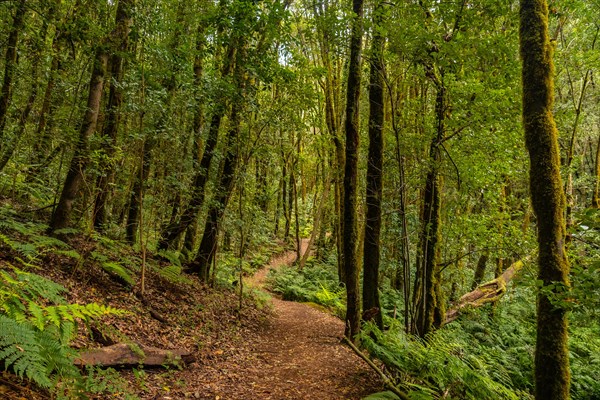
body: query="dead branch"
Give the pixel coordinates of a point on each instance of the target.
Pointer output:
(386, 381)
(488, 292)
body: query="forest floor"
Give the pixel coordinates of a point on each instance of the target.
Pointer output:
(282, 350)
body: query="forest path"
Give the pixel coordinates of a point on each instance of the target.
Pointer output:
(297, 355)
(301, 348)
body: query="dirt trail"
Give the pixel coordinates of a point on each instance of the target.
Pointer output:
(302, 354)
(296, 355)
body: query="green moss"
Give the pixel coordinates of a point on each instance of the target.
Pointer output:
(548, 200)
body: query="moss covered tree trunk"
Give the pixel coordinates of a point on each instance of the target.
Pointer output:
(480, 270)
(350, 229)
(119, 50)
(208, 244)
(10, 64)
(178, 226)
(80, 160)
(371, 252)
(427, 296)
(548, 200)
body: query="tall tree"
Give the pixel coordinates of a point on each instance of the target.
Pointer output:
(112, 118)
(79, 162)
(350, 195)
(371, 252)
(208, 245)
(10, 64)
(552, 377)
(177, 226)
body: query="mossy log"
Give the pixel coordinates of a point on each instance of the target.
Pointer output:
(487, 293)
(124, 354)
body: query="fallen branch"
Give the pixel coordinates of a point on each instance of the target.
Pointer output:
(489, 292)
(123, 354)
(386, 381)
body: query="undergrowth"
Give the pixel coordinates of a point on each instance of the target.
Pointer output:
(227, 271)
(438, 367)
(486, 354)
(315, 283)
(36, 326)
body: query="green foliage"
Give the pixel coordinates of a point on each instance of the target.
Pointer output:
(36, 325)
(173, 274)
(316, 283)
(107, 382)
(28, 239)
(437, 367)
(114, 268)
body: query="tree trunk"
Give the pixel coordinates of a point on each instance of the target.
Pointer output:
(119, 47)
(371, 253)
(552, 377)
(350, 197)
(80, 160)
(10, 65)
(284, 199)
(41, 146)
(596, 194)
(174, 229)
(294, 185)
(480, 270)
(11, 144)
(316, 222)
(428, 304)
(135, 202)
(208, 245)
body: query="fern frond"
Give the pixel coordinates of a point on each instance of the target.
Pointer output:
(68, 253)
(118, 270)
(21, 350)
(42, 241)
(174, 274)
(39, 287)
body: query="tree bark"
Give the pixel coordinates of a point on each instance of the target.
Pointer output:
(427, 294)
(80, 160)
(174, 229)
(371, 253)
(119, 39)
(208, 245)
(10, 65)
(350, 196)
(552, 376)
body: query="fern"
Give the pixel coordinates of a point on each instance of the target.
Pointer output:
(118, 270)
(69, 253)
(36, 325)
(21, 350)
(437, 367)
(26, 249)
(173, 273)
